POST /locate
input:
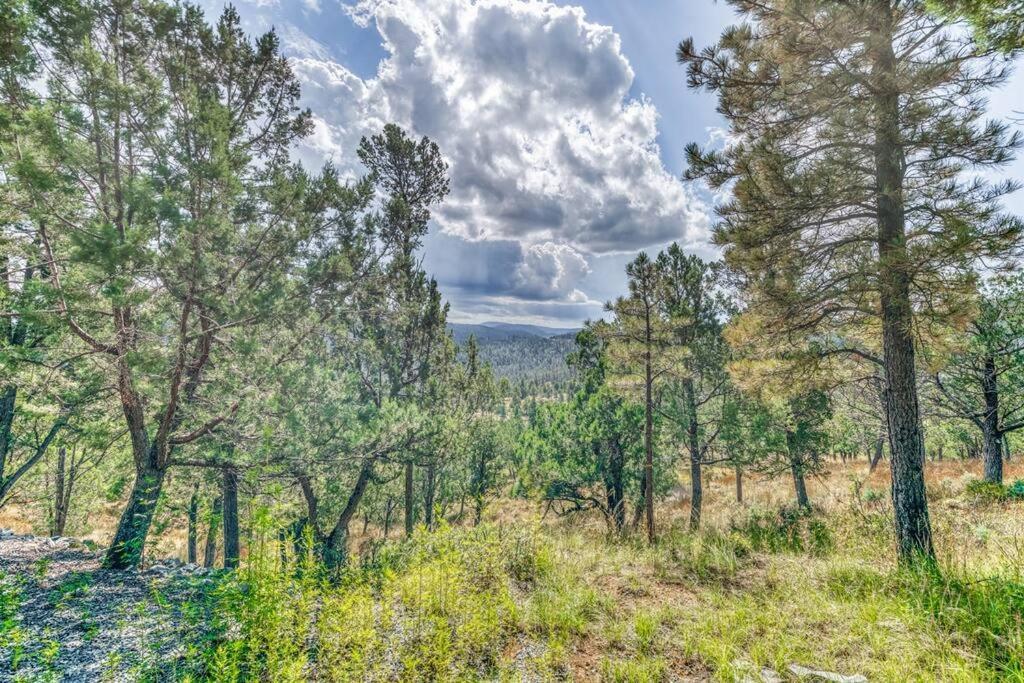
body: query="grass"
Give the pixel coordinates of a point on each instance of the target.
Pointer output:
(762, 585)
(768, 587)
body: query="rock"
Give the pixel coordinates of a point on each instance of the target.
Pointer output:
(766, 675)
(817, 675)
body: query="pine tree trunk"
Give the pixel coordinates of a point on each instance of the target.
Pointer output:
(231, 544)
(210, 551)
(616, 488)
(877, 457)
(990, 424)
(336, 545)
(410, 518)
(906, 442)
(193, 514)
(739, 485)
(428, 498)
(796, 469)
(649, 439)
(125, 551)
(799, 486)
(641, 505)
(389, 508)
(7, 399)
(60, 512)
(693, 442)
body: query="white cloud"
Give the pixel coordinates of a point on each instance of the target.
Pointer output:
(529, 102)
(553, 163)
(299, 44)
(551, 271)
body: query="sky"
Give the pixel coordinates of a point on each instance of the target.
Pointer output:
(563, 123)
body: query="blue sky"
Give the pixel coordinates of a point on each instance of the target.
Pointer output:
(564, 123)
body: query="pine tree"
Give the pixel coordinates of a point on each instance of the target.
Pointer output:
(696, 309)
(983, 381)
(997, 23)
(854, 127)
(644, 354)
(170, 191)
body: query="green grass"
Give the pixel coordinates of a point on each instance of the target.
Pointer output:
(769, 588)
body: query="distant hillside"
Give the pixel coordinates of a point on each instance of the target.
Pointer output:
(531, 356)
(498, 331)
(538, 330)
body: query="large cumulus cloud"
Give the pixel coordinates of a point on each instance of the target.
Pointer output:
(553, 163)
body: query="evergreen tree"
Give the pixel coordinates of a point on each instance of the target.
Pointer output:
(997, 23)
(171, 192)
(855, 126)
(644, 354)
(696, 309)
(983, 382)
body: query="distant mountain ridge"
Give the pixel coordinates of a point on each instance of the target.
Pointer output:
(532, 356)
(502, 331)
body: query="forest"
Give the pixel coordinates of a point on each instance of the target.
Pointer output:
(242, 440)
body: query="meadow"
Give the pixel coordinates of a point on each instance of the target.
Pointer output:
(763, 586)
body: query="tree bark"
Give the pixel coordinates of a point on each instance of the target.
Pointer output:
(210, 551)
(193, 514)
(7, 401)
(231, 544)
(796, 469)
(410, 512)
(739, 485)
(877, 456)
(428, 497)
(693, 442)
(336, 546)
(125, 551)
(799, 485)
(649, 434)
(389, 508)
(60, 512)
(641, 504)
(993, 436)
(615, 487)
(906, 442)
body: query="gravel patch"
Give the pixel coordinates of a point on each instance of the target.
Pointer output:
(74, 621)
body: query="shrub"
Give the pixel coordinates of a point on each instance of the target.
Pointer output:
(1015, 491)
(788, 529)
(985, 492)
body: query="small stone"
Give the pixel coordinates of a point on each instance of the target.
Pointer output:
(818, 675)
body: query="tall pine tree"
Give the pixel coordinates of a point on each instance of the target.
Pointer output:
(854, 129)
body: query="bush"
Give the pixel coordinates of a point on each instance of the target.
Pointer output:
(985, 492)
(788, 529)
